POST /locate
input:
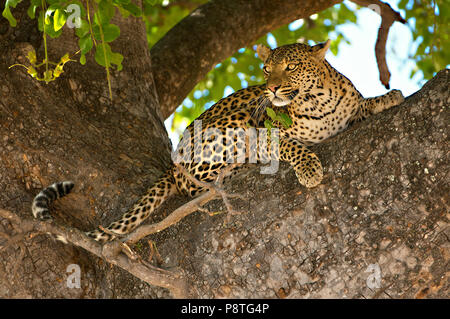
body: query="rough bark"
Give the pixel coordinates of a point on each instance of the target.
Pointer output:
(69, 129)
(212, 33)
(383, 201)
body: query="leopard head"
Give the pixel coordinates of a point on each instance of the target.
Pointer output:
(292, 69)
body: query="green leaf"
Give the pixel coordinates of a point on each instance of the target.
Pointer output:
(48, 27)
(268, 124)
(31, 56)
(49, 12)
(271, 113)
(12, 3)
(7, 12)
(59, 19)
(85, 44)
(110, 32)
(103, 54)
(117, 58)
(32, 8)
(124, 12)
(31, 12)
(51, 31)
(105, 12)
(285, 120)
(83, 30)
(111, 57)
(83, 59)
(133, 9)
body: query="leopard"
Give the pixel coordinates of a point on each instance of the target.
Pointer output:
(299, 81)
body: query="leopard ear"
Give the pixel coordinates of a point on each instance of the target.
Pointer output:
(319, 50)
(263, 52)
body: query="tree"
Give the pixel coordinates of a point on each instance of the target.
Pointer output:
(116, 148)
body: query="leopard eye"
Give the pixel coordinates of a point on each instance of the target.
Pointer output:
(266, 69)
(291, 66)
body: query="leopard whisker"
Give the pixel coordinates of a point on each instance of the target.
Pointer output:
(253, 101)
(263, 102)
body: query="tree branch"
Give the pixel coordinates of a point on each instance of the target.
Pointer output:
(214, 191)
(210, 34)
(129, 260)
(388, 17)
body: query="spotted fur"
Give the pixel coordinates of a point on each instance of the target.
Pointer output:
(300, 82)
(40, 205)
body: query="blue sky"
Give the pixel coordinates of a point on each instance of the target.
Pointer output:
(357, 60)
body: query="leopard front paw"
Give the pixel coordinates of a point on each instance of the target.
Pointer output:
(310, 175)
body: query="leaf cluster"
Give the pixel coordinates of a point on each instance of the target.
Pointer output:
(277, 118)
(428, 20)
(430, 28)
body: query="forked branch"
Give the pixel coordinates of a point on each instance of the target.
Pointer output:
(117, 252)
(214, 190)
(172, 280)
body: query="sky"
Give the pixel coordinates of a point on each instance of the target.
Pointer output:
(357, 60)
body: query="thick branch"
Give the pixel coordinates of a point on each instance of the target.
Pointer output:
(388, 17)
(383, 202)
(213, 32)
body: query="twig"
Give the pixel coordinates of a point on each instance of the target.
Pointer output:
(154, 252)
(214, 191)
(129, 252)
(173, 218)
(217, 186)
(388, 17)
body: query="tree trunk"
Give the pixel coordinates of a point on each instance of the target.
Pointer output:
(70, 130)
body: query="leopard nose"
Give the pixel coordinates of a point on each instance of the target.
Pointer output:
(273, 88)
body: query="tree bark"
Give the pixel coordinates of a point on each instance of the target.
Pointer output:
(383, 200)
(70, 130)
(382, 208)
(212, 33)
